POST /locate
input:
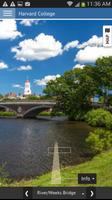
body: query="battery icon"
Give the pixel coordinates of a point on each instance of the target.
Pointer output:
(82, 4)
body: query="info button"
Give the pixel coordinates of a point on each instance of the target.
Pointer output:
(87, 178)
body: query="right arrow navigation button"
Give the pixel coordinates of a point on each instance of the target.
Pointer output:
(91, 193)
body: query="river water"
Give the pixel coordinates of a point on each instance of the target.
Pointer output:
(24, 145)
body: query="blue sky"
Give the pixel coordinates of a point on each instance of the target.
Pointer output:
(53, 48)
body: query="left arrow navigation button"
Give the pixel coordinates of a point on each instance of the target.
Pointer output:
(27, 193)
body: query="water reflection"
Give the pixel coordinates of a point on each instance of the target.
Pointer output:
(24, 144)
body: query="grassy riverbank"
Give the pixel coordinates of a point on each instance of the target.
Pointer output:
(48, 113)
(101, 165)
(7, 114)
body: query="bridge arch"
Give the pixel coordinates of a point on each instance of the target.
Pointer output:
(7, 108)
(32, 112)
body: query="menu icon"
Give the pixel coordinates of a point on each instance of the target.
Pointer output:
(7, 13)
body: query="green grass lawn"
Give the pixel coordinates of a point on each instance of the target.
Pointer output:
(101, 165)
(49, 113)
(7, 114)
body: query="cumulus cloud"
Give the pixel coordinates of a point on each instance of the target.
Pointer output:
(8, 29)
(41, 48)
(46, 79)
(94, 41)
(89, 50)
(29, 22)
(17, 86)
(3, 65)
(24, 68)
(91, 54)
(79, 66)
(71, 45)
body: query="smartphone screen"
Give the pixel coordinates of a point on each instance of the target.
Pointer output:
(55, 99)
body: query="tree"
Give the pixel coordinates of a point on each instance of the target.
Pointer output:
(74, 89)
(103, 76)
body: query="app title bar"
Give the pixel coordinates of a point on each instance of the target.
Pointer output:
(55, 13)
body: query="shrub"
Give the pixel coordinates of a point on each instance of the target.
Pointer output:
(77, 115)
(100, 118)
(59, 114)
(32, 97)
(99, 140)
(7, 114)
(110, 100)
(44, 113)
(50, 113)
(101, 99)
(108, 121)
(4, 176)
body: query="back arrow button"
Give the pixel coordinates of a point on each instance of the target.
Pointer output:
(27, 193)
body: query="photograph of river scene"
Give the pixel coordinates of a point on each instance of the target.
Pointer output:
(55, 103)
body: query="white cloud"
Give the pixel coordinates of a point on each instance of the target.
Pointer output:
(8, 29)
(17, 86)
(24, 68)
(79, 66)
(71, 45)
(94, 41)
(91, 54)
(46, 79)
(3, 65)
(29, 22)
(91, 50)
(41, 48)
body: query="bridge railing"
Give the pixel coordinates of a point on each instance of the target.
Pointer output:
(28, 102)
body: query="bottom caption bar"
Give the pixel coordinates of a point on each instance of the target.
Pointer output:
(56, 193)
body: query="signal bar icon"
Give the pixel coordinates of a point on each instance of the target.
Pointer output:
(77, 5)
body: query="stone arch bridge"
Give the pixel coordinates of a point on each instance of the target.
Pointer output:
(27, 109)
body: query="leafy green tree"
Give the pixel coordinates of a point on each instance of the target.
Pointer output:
(73, 91)
(103, 76)
(75, 88)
